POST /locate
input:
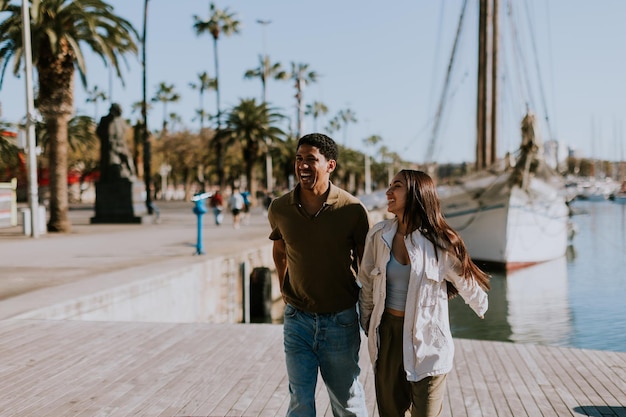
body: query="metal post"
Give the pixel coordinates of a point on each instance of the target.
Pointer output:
(147, 154)
(245, 272)
(199, 209)
(33, 195)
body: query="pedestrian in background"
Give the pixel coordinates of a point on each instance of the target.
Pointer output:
(412, 265)
(245, 216)
(318, 231)
(217, 205)
(236, 204)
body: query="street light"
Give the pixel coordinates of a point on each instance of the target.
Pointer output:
(147, 166)
(33, 195)
(268, 156)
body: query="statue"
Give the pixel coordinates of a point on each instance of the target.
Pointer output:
(115, 158)
(120, 197)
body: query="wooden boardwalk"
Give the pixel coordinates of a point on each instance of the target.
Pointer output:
(77, 368)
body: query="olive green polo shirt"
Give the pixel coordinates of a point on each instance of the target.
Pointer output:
(321, 249)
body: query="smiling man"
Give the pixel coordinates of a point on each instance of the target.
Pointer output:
(319, 231)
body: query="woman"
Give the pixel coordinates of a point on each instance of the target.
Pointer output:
(411, 266)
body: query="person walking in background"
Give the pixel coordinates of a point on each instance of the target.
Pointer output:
(319, 231)
(245, 216)
(217, 205)
(411, 266)
(236, 204)
(267, 200)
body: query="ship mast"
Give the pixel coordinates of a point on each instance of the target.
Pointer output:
(486, 109)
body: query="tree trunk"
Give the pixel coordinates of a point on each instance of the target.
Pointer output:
(55, 103)
(58, 149)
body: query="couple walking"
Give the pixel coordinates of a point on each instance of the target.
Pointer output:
(400, 272)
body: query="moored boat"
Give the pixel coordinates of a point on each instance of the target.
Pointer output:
(511, 217)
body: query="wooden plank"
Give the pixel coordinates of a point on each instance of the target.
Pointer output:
(187, 390)
(493, 353)
(225, 353)
(610, 372)
(573, 378)
(535, 379)
(102, 368)
(179, 362)
(561, 401)
(491, 396)
(470, 400)
(248, 379)
(120, 369)
(38, 367)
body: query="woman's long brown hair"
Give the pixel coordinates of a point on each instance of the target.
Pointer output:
(423, 211)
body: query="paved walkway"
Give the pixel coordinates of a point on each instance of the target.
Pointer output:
(28, 264)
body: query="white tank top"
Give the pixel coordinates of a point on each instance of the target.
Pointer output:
(397, 284)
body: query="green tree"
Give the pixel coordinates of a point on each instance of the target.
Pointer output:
(58, 29)
(301, 75)
(165, 93)
(9, 152)
(250, 125)
(347, 116)
(94, 96)
(265, 71)
(205, 83)
(334, 125)
(315, 110)
(219, 22)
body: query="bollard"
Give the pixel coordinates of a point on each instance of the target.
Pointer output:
(199, 209)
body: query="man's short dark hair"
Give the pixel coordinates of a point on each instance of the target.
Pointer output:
(325, 144)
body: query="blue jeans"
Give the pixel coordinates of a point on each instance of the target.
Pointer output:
(329, 343)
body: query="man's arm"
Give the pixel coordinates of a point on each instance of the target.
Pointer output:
(359, 252)
(279, 253)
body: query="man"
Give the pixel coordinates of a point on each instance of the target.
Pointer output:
(319, 234)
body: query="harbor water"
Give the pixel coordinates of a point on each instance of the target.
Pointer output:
(575, 301)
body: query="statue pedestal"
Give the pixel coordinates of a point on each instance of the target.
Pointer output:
(120, 201)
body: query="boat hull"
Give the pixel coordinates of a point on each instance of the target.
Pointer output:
(508, 227)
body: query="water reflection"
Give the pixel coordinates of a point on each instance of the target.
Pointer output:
(538, 305)
(576, 301)
(529, 305)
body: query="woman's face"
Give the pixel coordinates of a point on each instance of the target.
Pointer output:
(396, 195)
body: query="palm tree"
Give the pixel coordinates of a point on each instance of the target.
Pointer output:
(58, 28)
(252, 125)
(205, 83)
(165, 94)
(265, 71)
(372, 141)
(137, 107)
(220, 22)
(334, 125)
(9, 152)
(94, 96)
(301, 75)
(316, 109)
(175, 120)
(347, 116)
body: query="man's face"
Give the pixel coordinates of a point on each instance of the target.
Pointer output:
(312, 168)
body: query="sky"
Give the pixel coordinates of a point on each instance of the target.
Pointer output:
(386, 63)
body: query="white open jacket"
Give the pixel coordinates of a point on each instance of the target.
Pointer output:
(428, 348)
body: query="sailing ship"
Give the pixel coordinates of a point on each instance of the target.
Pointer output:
(511, 213)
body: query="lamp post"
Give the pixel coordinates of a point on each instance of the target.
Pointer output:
(33, 195)
(147, 155)
(268, 156)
